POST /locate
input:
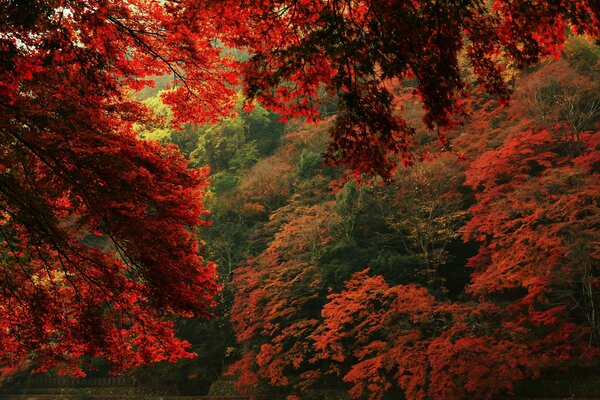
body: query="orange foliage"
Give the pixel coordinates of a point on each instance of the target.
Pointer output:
(273, 312)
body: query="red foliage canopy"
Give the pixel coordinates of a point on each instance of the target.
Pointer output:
(302, 50)
(96, 226)
(72, 170)
(402, 337)
(276, 303)
(536, 220)
(532, 298)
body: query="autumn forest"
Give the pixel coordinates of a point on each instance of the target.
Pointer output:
(302, 199)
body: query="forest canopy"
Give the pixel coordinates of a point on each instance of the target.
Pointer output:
(473, 265)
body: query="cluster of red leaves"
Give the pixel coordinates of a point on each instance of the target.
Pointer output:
(535, 218)
(303, 50)
(378, 338)
(277, 302)
(97, 227)
(402, 337)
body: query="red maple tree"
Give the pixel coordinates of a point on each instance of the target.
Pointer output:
(277, 303)
(97, 226)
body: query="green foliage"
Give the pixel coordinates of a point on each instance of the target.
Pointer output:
(264, 128)
(399, 267)
(219, 144)
(309, 164)
(224, 181)
(234, 143)
(583, 54)
(237, 142)
(161, 129)
(244, 157)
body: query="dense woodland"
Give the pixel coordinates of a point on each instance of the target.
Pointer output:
(329, 222)
(475, 268)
